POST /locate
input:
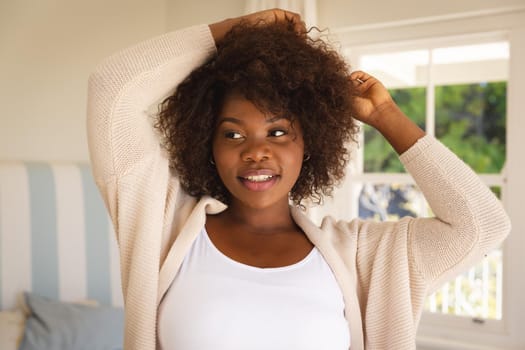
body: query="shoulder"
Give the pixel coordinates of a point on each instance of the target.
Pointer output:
(362, 230)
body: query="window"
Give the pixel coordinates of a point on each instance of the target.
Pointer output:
(458, 94)
(437, 72)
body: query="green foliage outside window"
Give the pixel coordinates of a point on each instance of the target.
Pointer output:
(470, 120)
(379, 155)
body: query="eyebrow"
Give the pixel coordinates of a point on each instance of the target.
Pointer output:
(240, 122)
(229, 119)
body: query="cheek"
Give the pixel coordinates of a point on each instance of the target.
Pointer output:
(295, 159)
(217, 151)
(221, 154)
(224, 161)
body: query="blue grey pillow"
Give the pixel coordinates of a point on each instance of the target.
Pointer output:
(57, 325)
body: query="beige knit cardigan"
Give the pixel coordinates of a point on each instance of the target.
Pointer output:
(384, 270)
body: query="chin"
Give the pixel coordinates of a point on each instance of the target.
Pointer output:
(261, 202)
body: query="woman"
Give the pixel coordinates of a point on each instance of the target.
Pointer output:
(212, 252)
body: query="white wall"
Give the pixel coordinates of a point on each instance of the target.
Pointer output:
(342, 13)
(47, 49)
(183, 13)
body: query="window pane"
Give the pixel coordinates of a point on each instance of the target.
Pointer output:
(384, 202)
(471, 53)
(404, 73)
(470, 63)
(476, 293)
(470, 120)
(379, 155)
(468, 90)
(399, 69)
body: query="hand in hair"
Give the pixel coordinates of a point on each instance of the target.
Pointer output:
(370, 97)
(219, 29)
(373, 105)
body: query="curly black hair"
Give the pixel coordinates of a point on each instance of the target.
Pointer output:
(282, 72)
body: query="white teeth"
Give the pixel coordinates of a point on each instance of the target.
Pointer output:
(258, 178)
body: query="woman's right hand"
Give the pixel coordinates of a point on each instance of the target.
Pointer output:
(219, 29)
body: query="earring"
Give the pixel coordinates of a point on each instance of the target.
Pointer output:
(212, 162)
(306, 157)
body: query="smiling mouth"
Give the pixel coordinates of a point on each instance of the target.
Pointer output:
(258, 178)
(259, 183)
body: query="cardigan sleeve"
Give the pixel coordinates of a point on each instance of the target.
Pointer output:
(469, 220)
(131, 168)
(125, 90)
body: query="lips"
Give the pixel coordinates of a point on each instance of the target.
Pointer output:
(258, 180)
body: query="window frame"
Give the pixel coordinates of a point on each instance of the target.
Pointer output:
(439, 331)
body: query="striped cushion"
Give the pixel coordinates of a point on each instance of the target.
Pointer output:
(56, 239)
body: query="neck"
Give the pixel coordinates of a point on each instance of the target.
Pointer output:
(266, 220)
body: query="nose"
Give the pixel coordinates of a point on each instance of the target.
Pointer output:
(256, 151)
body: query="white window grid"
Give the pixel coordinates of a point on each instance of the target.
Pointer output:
(357, 177)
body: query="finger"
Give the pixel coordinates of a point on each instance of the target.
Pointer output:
(360, 76)
(358, 81)
(294, 16)
(363, 81)
(300, 27)
(299, 24)
(280, 14)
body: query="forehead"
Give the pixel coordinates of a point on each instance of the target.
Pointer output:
(236, 106)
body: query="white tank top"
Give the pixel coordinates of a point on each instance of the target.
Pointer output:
(218, 303)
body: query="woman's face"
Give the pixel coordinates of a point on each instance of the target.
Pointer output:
(258, 156)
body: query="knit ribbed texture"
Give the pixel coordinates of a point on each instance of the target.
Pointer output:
(130, 167)
(385, 270)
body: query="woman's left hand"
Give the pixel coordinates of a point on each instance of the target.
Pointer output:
(373, 105)
(370, 98)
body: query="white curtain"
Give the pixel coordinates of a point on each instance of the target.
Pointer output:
(306, 8)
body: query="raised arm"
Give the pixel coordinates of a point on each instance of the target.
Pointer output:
(125, 90)
(469, 220)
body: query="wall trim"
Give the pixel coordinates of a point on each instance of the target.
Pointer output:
(432, 19)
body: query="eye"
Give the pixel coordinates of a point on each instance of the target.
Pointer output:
(278, 132)
(232, 135)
